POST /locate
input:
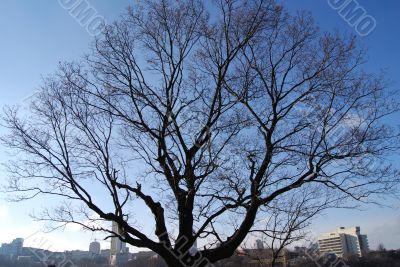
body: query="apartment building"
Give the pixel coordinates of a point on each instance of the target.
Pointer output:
(344, 241)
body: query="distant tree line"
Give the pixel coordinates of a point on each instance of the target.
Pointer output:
(373, 259)
(9, 262)
(389, 258)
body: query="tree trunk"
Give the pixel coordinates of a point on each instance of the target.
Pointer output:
(185, 259)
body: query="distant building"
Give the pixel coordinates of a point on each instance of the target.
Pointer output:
(105, 253)
(344, 241)
(16, 246)
(4, 249)
(143, 255)
(259, 244)
(26, 259)
(119, 253)
(119, 259)
(94, 248)
(117, 246)
(77, 255)
(193, 250)
(13, 249)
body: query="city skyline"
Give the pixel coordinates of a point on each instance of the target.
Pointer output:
(342, 242)
(112, 244)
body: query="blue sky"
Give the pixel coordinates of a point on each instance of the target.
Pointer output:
(36, 35)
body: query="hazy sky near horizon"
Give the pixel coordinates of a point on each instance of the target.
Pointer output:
(37, 35)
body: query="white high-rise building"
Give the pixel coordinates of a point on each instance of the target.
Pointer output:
(259, 244)
(117, 246)
(344, 241)
(119, 254)
(94, 248)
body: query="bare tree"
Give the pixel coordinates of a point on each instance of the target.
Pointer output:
(381, 247)
(211, 120)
